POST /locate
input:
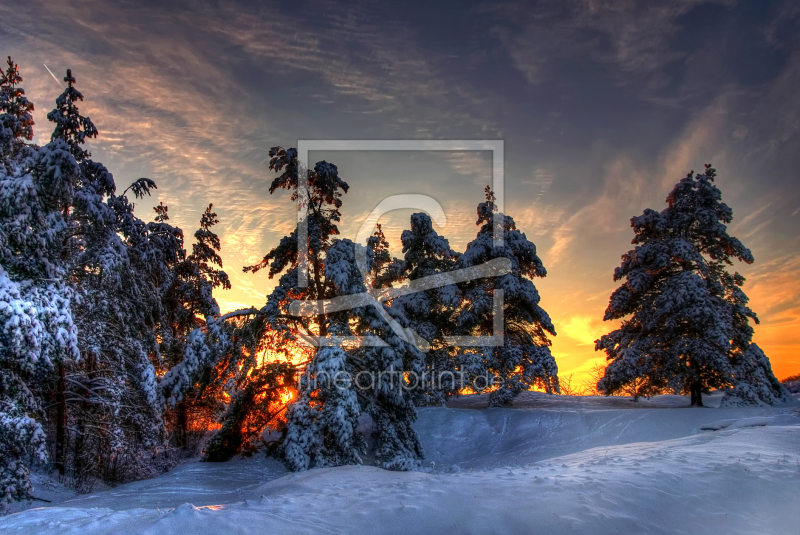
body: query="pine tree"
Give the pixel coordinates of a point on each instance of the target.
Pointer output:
(35, 313)
(187, 299)
(382, 273)
(16, 121)
(193, 279)
(323, 421)
(205, 255)
(118, 265)
(333, 272)
(71, 126)
(685, 318)
(84, 302)
(66, 232)
(372, 374)
(255, 403)
(430, 313)
(524, 360)
(36, 329)
(222, 356)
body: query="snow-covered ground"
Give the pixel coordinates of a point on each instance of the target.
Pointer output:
(551, 464)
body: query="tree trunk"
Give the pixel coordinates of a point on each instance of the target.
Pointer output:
(318, 285)
(182, 424)
(697, 393)
(80, 440)
(61, 419)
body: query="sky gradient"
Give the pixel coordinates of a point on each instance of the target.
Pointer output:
(602, 105)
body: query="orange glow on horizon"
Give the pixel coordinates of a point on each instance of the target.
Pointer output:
(577, 308)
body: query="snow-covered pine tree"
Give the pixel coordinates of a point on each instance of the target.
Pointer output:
(35, 314)
(16, 121)
(108, 398)
(333, 271)
(205, 256)
(524, 359)
(193, 280)
(223, 356)
(71, 126)
(205, 358)
(25, 232)
(381, 273)
(256, 401)
(36, 330)
(753, 380)
(322, 422)
(239, 357)
(83, 283)
(430, 313)
(321, 202)
(369, 380)
(79, 234)
(684, 317)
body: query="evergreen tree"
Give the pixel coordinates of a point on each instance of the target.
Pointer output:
(430, 313)
(108, 397)
(188, 299)
(88, 292)
(383, 272)
(193, 280)
(16, 121)
(372, 374)
(84, 280)
(35, 313)
(333, 272)
(323, 421)
(685, 318)
(71, 126)
(255, 404)
(36, 329)
(523, 360)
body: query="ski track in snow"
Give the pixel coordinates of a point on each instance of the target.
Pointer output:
(552, 464)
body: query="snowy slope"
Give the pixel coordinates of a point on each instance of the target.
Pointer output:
(574, 466)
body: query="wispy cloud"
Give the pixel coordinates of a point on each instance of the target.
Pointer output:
(584, 329)
(751, 217)
(631, 39)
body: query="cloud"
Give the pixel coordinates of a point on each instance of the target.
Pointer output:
(474, 164)
(621, 194)
(362, 62)
(584, 329)
(699, 143)
(761, 226)
(774, 288)
(629, 186)
(750, 217)
(626, 36)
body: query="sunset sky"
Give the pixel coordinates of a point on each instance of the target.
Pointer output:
(602, 106)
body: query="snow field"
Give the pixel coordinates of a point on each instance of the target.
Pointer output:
(577, 466)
